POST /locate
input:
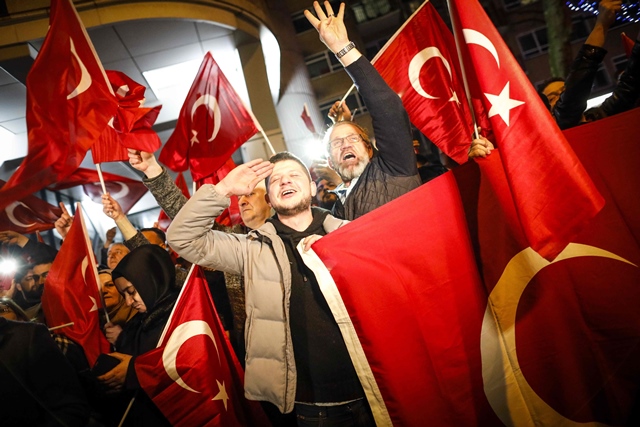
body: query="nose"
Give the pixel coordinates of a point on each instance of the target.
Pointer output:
(285, 179)
(128, 300)
(242, 200)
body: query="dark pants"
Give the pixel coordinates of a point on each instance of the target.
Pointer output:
(354, 414)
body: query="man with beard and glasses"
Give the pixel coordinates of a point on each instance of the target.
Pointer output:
(296, 356)
(370, 177)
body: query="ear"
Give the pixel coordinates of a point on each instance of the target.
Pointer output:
(266, 197)
(330, 161)
(17, 285)
(314, 188)
(370, 150)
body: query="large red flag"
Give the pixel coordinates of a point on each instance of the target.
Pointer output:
(554, 197)
(213, 123)
(131, 127)
(163, 220)
(420, 298)
(72, 292)
(69, 103)
(421, 65)
(28, 215)
(125, 190)
(193, 376)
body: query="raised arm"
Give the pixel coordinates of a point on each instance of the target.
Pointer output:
(159, 182)
(190, 233)
(391, 125)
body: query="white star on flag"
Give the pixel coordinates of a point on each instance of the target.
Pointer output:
(194, 138)
(454, 96)
(95, 304)
(222, 394)
(501, 104)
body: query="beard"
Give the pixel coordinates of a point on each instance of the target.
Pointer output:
(34, 295)
(348, 173)
(302, 206)
(328, 200)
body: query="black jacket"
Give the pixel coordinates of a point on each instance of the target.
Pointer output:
(577, 86)
(625, 95)
(38, 385)
(392, 171)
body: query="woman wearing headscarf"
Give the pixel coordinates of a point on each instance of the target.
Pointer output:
(146, 279)
(119, 313)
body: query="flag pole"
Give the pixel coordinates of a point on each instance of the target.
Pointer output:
(264, 135)
(104, 188)
(347, 94)
(61, 326)
(454, 25)
(126, 412)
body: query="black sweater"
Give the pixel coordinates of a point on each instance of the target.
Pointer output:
(325, 371)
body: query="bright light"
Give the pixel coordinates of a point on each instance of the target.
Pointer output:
(595, 102)
(271, 51)
(314, 149)
(171, 84)
(8, 266)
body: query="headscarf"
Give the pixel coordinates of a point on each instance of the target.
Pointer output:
(120, 313)
(150, 270)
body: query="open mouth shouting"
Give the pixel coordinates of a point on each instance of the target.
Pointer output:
(289, 192)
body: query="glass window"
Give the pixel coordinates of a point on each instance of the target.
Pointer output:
(300, 22)
(370, 9)
(579, 29)
(322, 63)
(511, 4)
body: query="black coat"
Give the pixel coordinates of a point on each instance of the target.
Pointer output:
(34, 375)
(150, 270)
(392, 171)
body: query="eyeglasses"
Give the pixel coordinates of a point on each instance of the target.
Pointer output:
(37, 277)
(338, 142)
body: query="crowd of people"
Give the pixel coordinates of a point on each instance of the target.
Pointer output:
(295, 359)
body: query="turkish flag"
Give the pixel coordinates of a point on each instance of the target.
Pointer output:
(125, 191)
(421, 65)
(72, 292)
(453, 306)
(213, 123)
(306, 118)
(28, 215)
(131, 127)
(69, 103)
(163, 220)
(193, 376)
(553, 195)
(230, 216)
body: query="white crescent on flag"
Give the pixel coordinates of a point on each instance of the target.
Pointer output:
(10, 214)
(416, 64)
(211, 104)
(85, 79)
(514, 404)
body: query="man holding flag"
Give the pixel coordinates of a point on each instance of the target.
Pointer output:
(296, 356)
(369, 180)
